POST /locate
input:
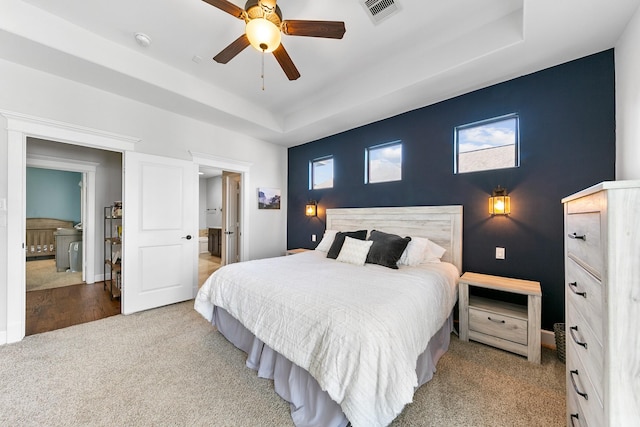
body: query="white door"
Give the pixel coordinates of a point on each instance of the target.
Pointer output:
(231, 225)
(160, 232)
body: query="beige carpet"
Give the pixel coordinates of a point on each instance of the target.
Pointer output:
(42, 274)
(168, 367)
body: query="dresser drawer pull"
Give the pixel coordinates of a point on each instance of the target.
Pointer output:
(575, 340)
(496, 320)
(575, 387)
(576, 236)
(573, 286)
(576, 417)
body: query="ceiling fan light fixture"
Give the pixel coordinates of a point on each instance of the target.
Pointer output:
(263, 34)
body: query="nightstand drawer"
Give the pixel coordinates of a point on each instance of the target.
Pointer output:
(583, 241)
(498, 325)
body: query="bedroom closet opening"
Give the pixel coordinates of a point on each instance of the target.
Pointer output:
(64, 186)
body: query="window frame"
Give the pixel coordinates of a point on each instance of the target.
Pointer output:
(456, 139)
(367, 155)
(312, 174)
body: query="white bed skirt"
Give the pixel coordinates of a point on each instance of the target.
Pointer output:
(310, 405)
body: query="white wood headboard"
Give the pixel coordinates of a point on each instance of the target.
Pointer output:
(441, 224)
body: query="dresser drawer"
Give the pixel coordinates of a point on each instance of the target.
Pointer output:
(582, 342)
(578, 382)
(585, 292)
(575, 414)
(583, 241)
(498, 325)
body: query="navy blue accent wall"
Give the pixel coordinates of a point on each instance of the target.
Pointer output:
(567, 143)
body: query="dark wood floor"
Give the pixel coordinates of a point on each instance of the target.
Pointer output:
(58, 308)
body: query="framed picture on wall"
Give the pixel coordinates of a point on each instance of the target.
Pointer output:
(268, 198)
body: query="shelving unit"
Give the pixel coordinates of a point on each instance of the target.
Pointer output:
(113, 250)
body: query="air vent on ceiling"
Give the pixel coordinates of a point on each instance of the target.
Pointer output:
(378, 10)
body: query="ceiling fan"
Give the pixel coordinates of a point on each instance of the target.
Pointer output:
(264, 26)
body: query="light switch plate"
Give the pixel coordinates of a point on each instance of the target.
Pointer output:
(500, 253)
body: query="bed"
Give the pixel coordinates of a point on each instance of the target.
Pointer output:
(344, 343)
(40, 240)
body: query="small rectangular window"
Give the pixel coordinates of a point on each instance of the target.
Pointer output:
(383, 163)
(489, 144)
(321, 173)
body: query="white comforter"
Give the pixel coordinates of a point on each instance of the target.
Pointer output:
(357, 330)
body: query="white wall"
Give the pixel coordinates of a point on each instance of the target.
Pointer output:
(28, 91)
(210, 204)
(627, 54)
(3, 231)
(214, 201)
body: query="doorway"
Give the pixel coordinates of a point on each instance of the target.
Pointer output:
(241, 172)
(209, 222)
(64, 287)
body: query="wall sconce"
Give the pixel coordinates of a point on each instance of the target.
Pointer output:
(499, 202)
(311, 209)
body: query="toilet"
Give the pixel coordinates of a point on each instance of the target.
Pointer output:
(204, 244)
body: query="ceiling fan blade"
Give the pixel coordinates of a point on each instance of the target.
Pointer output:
(286, 63)
(228, 7)
(229, 52)
(326, 29)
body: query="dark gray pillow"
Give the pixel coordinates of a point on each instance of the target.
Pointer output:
(334, 251)
(386, 249)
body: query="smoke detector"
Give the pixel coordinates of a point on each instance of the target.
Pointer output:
(142, 39)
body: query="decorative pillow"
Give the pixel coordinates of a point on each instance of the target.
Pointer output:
(334, 250)
(386, 249)
(327, 240)
(354, 251)
(419, 250)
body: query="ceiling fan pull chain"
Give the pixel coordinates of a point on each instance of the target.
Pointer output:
(262, 69)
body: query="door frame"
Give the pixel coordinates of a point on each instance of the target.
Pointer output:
(244, 169)
(88, 207)
(19, 127)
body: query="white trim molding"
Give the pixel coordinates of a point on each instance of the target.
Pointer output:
(19, 127)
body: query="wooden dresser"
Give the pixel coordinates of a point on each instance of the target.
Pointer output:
(602, 279)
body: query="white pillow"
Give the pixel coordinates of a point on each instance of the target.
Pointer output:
(354, 251)
(327, 240)
(435, 252)
(419, 250)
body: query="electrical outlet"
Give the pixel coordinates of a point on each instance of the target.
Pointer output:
(313, 237)
(500, 253)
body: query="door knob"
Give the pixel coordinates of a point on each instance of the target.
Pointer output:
(188, 237)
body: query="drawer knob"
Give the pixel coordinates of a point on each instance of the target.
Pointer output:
(574, 417)
(574, 286)
(495, 320)
(575, 340)
(575, 387)
(578, 237)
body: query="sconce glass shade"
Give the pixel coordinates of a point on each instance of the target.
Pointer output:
(263, 34)
(311, 209)
(499, 202)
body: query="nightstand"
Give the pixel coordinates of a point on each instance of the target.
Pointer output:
(511, 327)
(296, 251)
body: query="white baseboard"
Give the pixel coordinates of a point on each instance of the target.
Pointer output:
(548, 339)
(3, 337)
